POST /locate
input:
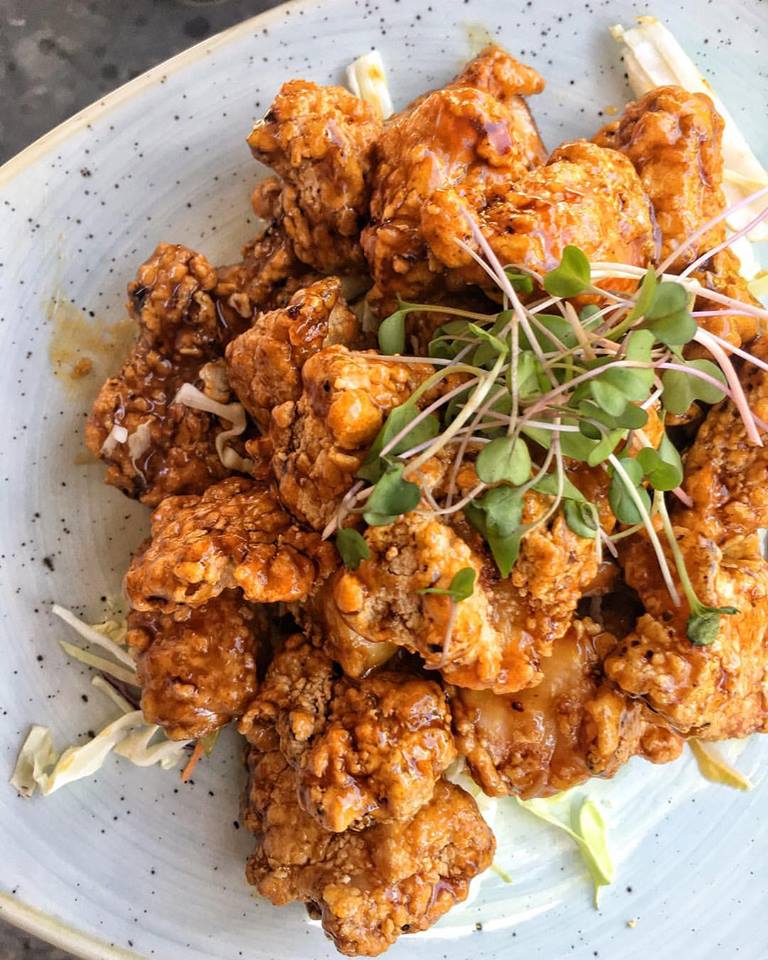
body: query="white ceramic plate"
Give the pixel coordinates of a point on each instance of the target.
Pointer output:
(132, 862)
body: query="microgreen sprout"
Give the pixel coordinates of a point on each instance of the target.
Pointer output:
(528, 393)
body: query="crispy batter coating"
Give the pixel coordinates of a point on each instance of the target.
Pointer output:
(722, 274)
(321, 440)
(364, 751)
(673, 138)
(571, 726)
(199, 673)
(454, 148)
(235, 535)
(584, 195)
(265, 362)
(368, 886)
(170, 447)
(496, 638)
(720, 690)
(320, 141)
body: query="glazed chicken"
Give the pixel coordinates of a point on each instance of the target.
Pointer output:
(369, 612)
(198, 673)
(673, 139)
(715, 691)
(320, 141)
(364, 751)
(367, 886)
(571, 726)
(236, 535)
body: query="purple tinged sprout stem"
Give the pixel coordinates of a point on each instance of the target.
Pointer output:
(732, 238)
(739, 399)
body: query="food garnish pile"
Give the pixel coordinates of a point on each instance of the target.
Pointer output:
(462, 464)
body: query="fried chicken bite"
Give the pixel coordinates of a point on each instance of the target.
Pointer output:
(320, 141)
(321, 439)
(235, 535)
(721, 273)
(265, 362)
(199, 673)
(673, 138)
(168, 448)
(584, 195)
(571, 726)
(496, 638)
(364, 751)
(452, 149)
(368, 886)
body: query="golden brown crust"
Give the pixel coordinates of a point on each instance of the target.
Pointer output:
(235, 535)
(199, 673)
(372, 885)
(320, 141)
(673, 138)
(321, 440)
(553, 736)
(265, 362)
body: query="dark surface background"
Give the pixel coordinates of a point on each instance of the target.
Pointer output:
(57, 56)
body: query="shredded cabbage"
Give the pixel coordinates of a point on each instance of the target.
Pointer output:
(653, 58)
(115, 436)
(585, 825)
(714, 767)
(367, 79)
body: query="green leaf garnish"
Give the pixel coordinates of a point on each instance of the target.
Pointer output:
(549, 484)
(668, 316)
(398, 419)
(352, 548)
(663, 467)
(461, 587)
(392, 496)
(704, 623)
(487, 337)
(392, 333)
(645, 296)
(572, 277)
(623, 504)
(521, 282)
(682, 389)
(504, 460)
(581, 518)
(496, 515)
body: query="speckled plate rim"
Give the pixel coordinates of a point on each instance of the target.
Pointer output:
(15, 911)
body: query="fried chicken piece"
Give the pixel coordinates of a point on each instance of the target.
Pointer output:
(368, 886)
(196, 674)
(584, 195)
(364, 751)
(455, 148)
(265, 362)
(320, 141)
(571, 726)
(170, 448)
(722, 274)
(673, 138)
(321, 440)
(495, 639)
(235, 535)
(720, 690)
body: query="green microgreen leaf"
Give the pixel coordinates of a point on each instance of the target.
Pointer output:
(572, 277)
(645, 296)
(392, 333)
(607, 396)
(668, 316)
(622, 503)
(663, 467)
(682, 389)
(391, 497)
(549, 484)
(496, 515)
(398, 419)
(521, 282)
(487, 337)
(504, 460)
(704, 623)
(444, 343)
(581, 518)
(352, 548)
(602, 450)
(587, 313)
(461, 587)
